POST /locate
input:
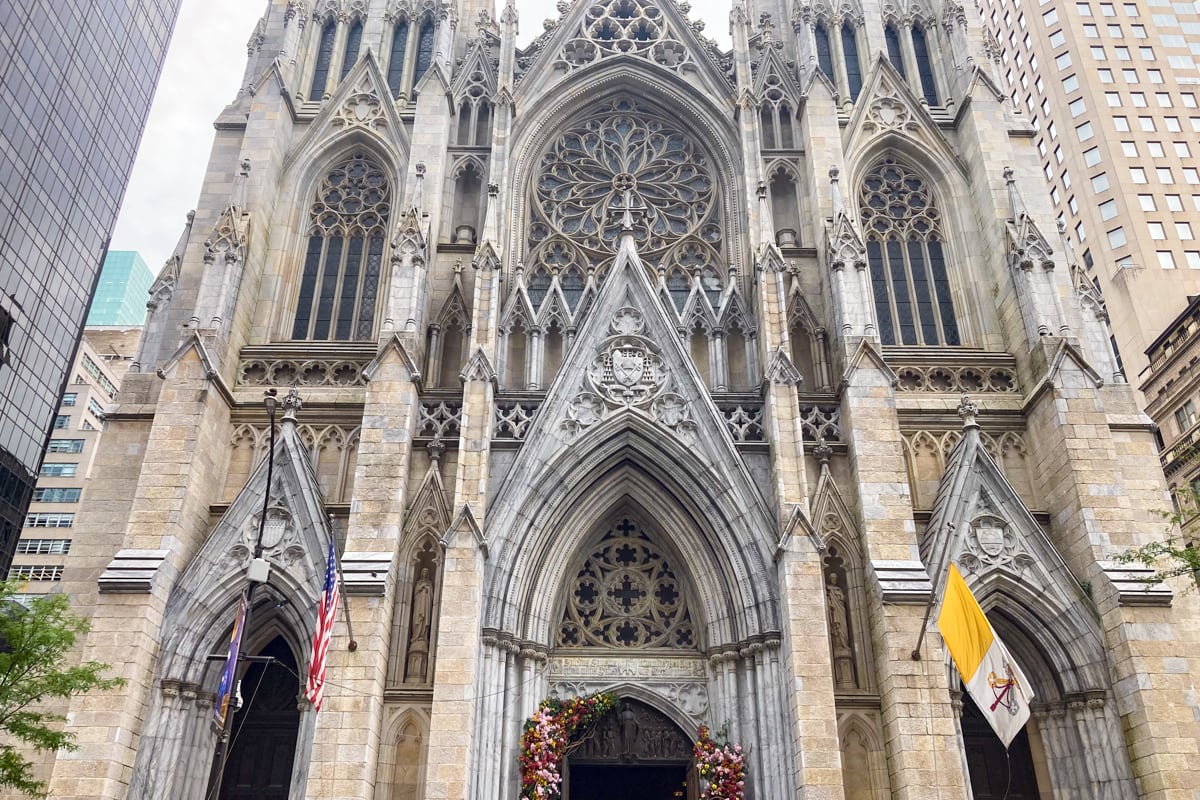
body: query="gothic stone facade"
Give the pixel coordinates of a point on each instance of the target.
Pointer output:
(628, 364)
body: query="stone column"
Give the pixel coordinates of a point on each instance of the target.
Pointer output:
(919, 724)
(349, 725)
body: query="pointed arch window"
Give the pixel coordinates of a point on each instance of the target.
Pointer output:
(395, 76)
(824, 53)
(924, 65)
(892, 39)
(907, 259)
(424, 50)
(324, 58)
(339, 285)
(850, 53)
(353, 43)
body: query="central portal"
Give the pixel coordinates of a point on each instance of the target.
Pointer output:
(634, 753)
(604, 782)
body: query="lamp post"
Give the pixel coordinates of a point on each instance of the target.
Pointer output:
(258, 572)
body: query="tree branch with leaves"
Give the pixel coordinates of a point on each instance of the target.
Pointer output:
(36, 640)
(1178, 555)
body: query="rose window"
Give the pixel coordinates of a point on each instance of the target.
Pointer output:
(626, 596)
(622, 153)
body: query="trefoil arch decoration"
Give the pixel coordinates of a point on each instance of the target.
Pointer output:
(906, 255)
(339, 283)
(626, 596)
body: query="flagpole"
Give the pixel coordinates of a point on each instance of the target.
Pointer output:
(256, 574)
(916, 653)
(353, 646)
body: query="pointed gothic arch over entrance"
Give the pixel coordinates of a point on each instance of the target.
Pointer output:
(635, 752)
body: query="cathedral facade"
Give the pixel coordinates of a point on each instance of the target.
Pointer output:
(622, 363)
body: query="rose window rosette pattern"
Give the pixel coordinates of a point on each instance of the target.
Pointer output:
(621, 152)
(626, 596)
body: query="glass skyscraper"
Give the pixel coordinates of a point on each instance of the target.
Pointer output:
(76, 80)
(120, 297)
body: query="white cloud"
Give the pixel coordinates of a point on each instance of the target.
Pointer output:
(201, 76)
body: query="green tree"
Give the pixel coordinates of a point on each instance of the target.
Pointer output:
(35, 641)
(1178, 555)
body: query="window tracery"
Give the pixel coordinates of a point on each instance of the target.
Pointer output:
(909, 279)
(588, 168)
(626, 596)
(395, 75)
(339, 284)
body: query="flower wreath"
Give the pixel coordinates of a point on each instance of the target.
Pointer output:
(722, 767)
(547, 738)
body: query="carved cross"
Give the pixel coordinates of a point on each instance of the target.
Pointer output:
(628, 210)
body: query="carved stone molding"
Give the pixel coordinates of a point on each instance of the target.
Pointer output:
(295, 372)
(957, 379)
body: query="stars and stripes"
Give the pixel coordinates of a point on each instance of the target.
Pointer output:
(326, 611)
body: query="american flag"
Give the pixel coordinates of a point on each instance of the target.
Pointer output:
(326, 611)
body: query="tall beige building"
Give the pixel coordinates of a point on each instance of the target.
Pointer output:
(621, 362)
(49, 528)
(1112, 91)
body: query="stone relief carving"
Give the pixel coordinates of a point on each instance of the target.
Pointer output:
(956, 379)
(361, 108)
(629, 372)
(634, 732)
(992, 543)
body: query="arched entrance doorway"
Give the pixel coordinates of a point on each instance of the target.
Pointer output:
(986, 759)
(634, 753)
(265, 730)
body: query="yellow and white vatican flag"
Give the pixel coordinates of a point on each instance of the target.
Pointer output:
(992, 678)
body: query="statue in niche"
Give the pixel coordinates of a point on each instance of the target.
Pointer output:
(839, 633)
(419, 626)
(629, 730)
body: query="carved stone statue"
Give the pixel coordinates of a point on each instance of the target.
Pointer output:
(418, 639)
(422, 607)
(839, 633)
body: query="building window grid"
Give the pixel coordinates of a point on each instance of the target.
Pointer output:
(56, 494)
(49, 520)
(44, 547)
(36, 572)
(58, 470)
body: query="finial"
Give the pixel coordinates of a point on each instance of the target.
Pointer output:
(1016, 206)
(839, 204)
(822, 451)
(968, 410)
(292, 404)
(436, 448)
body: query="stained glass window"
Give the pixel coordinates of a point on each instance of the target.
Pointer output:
(395, 76)
(339, 285)
(892, 38)
(850, 53)
(424, 50)
(824, 54)
(909, 277)
(626, 596)
(924, 66)
(353, 42)
(324, 58)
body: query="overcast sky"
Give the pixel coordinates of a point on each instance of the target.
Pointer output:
(201, 76)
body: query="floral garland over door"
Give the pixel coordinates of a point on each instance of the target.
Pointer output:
(548, 738)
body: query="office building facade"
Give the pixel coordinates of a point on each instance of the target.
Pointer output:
(75, 86)
(1112, 89)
